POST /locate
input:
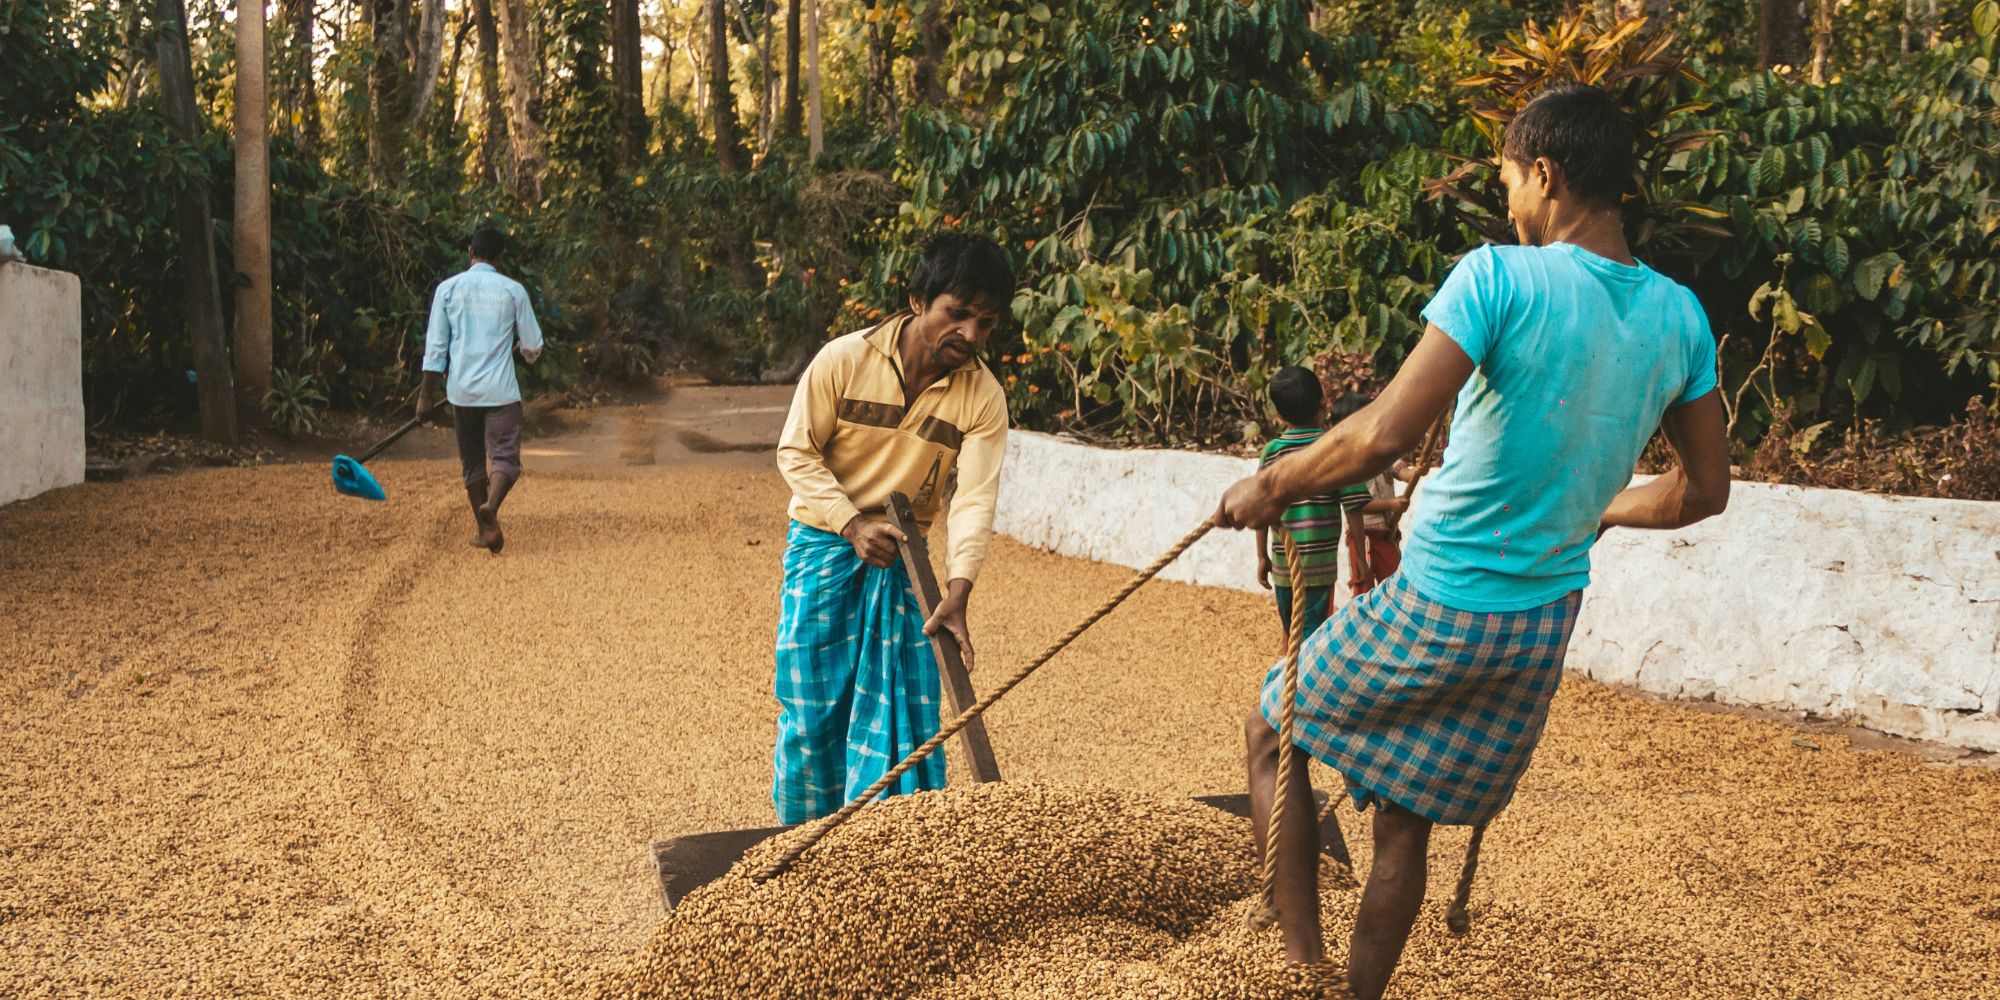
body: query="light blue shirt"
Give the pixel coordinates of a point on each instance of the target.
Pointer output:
(1576, 359)
(476, 318)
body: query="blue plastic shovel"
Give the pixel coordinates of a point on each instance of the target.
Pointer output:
(354, 479)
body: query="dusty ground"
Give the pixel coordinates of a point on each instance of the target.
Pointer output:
(261, 739)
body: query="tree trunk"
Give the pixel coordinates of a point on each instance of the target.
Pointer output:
(934, 33)
(493, 134)
(664, 73)
(388, 88)
(793, 111)
(135, 54)
(194, 234)
(767, 111)
(628, 82)
(763, 49)
(430, 58)
(697, 50)
(300, 89)
(736, 254)
(881, 80)
(524, 112)
(721, 102)
(253, 208)
(454, 92)
(1781, 33)
(1822, 39)
(815, 130)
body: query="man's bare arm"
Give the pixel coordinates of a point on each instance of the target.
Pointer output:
(1358, 448)
(1698, 488)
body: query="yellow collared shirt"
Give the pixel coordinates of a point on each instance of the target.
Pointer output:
(849, 441)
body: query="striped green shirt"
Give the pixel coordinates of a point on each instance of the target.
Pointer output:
(1314, 522)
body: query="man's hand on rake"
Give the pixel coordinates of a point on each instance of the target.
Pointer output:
(949, 616)
(874, 541)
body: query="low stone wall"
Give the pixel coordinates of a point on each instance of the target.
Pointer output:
(1880, 610)
(41, 380)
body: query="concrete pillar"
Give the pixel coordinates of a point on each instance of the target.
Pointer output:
(41, 380)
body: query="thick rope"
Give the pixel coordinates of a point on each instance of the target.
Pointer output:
(1287, 725)
(1431, 442)
(950, 729)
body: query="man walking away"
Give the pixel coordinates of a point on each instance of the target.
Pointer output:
(479, 318)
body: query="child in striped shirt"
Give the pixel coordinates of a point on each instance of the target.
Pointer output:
(1374, 532)
(1315, 521)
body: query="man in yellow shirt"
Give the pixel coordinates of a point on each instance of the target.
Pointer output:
(904, 407)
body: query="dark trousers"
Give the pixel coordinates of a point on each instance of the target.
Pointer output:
(488, 433)
(1319, 604)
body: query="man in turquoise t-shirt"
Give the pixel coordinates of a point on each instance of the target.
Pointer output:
(1429, 693)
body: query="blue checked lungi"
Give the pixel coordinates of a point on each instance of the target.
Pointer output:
(1432, 708)
(857, 684)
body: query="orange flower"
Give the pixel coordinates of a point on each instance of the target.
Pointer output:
(1034, 388)
(1030, 244)
(1063, 348)
(1011, 379)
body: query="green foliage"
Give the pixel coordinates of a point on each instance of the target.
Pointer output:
(294, 403)
(1194, 191)
(583, 124)
(1867, 234)
(1653, 86)
(1115, 148)
(1840, 235)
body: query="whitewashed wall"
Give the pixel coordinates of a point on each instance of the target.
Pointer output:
(1882, 610)
(41, 380)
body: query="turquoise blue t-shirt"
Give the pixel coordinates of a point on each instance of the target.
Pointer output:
(1576, 358)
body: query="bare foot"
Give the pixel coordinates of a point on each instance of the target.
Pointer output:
(490, 537)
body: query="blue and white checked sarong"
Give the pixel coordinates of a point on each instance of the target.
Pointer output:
(857, 684)
(1432, 708)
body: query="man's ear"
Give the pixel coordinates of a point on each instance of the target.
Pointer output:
(1548, 177)
(915, 306)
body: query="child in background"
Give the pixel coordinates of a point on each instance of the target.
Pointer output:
(1314, 521)
(1373, 532)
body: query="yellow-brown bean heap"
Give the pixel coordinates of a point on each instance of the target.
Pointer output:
(997, 890)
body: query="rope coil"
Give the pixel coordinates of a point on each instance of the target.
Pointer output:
(1267, 915)
(1432, 441)
(950, 729)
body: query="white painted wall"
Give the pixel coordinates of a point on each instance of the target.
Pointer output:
(41, 380)
(1881, 610)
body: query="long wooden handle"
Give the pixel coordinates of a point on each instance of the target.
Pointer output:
(951, 666)
(393, 437)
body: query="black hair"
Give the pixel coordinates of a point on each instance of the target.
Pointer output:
(1296, 394)
(488, 243)
(1346, 406)
(965, 265)
(1582, 130)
